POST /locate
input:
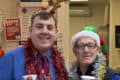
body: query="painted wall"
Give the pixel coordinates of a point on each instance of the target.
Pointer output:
(8, 9)
(63, 31)
(114, 20)
(96, 18)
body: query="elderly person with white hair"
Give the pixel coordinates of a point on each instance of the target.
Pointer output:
(90, 62)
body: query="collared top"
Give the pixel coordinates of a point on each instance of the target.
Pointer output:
(75, 73)
(52, 69)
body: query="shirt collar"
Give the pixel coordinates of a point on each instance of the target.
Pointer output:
(48, 54)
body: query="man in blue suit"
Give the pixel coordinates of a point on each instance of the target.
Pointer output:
(38, 56)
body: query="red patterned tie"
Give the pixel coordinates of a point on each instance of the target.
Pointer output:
(45, 66)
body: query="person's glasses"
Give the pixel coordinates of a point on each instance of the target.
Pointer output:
(89, 46)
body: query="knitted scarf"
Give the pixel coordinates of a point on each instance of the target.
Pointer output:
(33, 64)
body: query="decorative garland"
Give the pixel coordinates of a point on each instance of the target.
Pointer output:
(100, 66)
(104, 48)
(35, 66)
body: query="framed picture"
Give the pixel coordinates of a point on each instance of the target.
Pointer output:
(117, 36)
(12, 29)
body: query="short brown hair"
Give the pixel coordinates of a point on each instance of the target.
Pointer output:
(43, 15)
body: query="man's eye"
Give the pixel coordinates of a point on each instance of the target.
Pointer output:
(39, 26)
(92, 45)
(50, 27)
(80, 46)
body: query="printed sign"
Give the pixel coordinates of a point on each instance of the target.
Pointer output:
(12, 29)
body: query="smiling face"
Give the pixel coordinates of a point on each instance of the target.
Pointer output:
(86, 50)
(43, 33)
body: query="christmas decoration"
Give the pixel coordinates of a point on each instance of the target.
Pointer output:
(24, 10)
(52, 6)
(36, 66)
(104, 47)
(1, 52)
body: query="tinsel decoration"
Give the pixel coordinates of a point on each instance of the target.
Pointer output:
(35, 66)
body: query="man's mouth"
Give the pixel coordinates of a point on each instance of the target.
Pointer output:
(86, 56)
(44, 38)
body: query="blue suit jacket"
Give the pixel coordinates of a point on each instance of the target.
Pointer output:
(12, 64)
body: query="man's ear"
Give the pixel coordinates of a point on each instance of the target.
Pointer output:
(74, 51)
(56, 30)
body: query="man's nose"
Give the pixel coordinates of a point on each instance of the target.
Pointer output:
(44, 30)
(86, 48)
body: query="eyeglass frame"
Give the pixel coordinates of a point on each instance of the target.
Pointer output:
(82, 46)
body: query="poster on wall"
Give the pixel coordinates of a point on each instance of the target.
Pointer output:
(12, 29)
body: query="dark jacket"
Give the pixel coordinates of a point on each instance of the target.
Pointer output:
(75, 73)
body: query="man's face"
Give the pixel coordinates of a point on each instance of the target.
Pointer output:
(43, 33)
(86, 50)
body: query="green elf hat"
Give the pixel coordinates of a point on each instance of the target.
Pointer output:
(90, 28)
(87, 31)
(104, 47)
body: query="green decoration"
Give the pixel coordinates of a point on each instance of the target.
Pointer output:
(90, 28)
(104, 48)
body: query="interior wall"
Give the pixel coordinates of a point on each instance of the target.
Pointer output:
(96, 18)
(63, 32)
(8, 9)
(114, 20)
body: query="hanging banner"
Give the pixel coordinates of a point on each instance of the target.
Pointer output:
(12, 29)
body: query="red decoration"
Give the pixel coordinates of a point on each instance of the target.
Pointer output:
(36, 66)
(102, 41)
(43, 8)
(52, 11)
(24, 10)
(1, 52)
(106, 56)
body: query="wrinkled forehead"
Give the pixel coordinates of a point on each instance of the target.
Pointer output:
(43, 18)
(47, 21)
(85, 39)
